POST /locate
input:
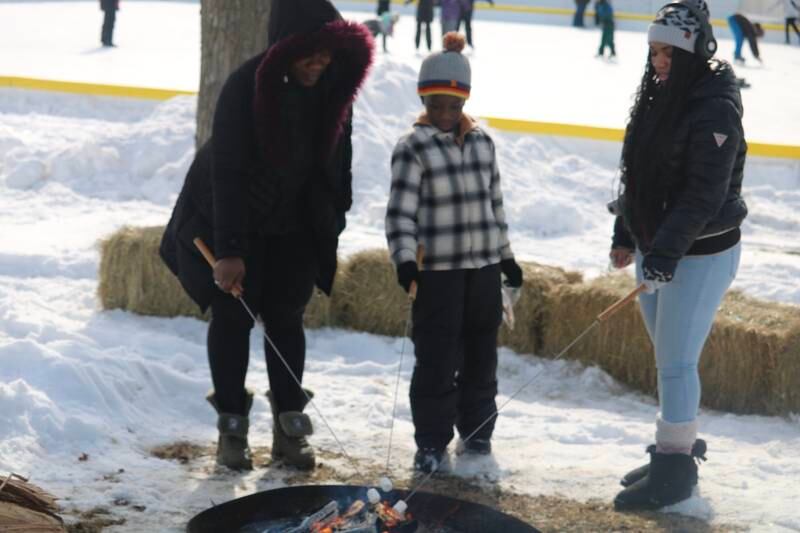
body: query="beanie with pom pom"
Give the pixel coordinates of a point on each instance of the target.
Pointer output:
(446, 72)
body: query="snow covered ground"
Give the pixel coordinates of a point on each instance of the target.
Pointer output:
(74, 379)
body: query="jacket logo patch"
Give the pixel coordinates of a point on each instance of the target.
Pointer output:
(720, 138)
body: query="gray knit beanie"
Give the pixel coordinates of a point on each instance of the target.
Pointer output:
(446, 72)
(677, 26)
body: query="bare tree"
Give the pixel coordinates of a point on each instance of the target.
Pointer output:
(231, 32)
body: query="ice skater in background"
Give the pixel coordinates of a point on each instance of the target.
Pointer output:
(451, 12)
(445, 196)
(109, 8)
(424, 18)
(466, 18)
(384, 6)
(580, 9)
(791, 11)
(678, 219)
(604, 17)
(742, 28)
(383, 26)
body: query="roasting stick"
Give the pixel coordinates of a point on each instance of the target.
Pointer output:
(412, 295)
(238, 295)
(602, 317)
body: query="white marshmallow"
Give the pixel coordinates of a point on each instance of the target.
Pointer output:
(400, 507)
(373, 496)
(385, 484)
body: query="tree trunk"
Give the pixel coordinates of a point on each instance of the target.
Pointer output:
(232, 31)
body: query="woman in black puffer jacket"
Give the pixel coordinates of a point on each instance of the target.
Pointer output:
(268, 192)
(678, 218)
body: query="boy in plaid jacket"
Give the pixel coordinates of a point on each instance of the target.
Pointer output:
(445, 196)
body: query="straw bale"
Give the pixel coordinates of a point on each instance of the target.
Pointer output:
(750, 363)
(620, 346)
(531, 310)
(319, 311)
(133, 277)
(367, 296)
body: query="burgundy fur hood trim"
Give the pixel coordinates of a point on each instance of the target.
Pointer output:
(352, 46)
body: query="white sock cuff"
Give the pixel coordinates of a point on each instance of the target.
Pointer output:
(675, 438)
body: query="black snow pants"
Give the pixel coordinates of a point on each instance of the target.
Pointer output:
(107, 33)
(279, 282)
(455, 320)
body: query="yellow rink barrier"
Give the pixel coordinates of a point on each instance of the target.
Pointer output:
(780, 151)
(91, 88)
(540, 10)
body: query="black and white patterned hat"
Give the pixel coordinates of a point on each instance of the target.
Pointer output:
(677, 26)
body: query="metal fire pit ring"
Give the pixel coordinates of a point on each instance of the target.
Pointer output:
(428, 509)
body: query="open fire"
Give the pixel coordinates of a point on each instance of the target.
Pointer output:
(360, 517)
(299, 508)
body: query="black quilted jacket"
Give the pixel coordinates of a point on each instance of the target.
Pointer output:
(704, 173)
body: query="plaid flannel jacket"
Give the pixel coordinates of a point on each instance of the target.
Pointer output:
(446, 196)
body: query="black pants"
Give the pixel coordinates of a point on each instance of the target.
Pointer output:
(455, 320)
(278, 284)
(107, 34)
(791, 21)
(427, 34)
(466, 18)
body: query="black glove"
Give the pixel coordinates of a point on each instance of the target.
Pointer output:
(512, 271)
(657, 271)
(406, 273)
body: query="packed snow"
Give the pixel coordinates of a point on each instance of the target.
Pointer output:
(75, 379)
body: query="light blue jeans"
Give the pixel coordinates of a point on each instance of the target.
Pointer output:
(678, 318)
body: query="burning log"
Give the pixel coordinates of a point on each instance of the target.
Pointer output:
(358, 518)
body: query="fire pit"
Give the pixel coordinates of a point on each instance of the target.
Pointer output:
(289, 509)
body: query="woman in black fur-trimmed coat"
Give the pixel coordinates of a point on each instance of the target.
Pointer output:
(268, 192)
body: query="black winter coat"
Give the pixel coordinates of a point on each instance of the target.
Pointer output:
(425, 11)
(239, 177)
(704, 174)
(109, 5)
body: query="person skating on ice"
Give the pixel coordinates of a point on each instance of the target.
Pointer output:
(424, 18)
(678, 220)
(445, 196)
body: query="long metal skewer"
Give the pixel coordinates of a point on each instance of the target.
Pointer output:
(238, 295)
(602, 317)
(412, 295)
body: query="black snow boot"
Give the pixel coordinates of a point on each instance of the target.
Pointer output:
(289, 432)
(669, 480)
(233, 450)
(474, 447)
(428, 460)
(698, 452)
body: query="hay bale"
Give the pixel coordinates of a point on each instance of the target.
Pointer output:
(619, 346)
(750, 363)
(319, 311)
(530, 313)
(367, 296)
(133, 277)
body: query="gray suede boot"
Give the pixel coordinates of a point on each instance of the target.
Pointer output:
(232, 448)
(289, 432)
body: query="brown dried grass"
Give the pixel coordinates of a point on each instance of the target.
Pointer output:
(750, 363)
(530, 313)
(367, 296)
(133, 277)
(619, 346)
